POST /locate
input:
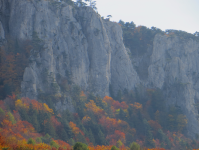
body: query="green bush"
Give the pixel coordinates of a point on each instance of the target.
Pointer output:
(134, 146)
(114, 148)
(80, 146)
(31, 141)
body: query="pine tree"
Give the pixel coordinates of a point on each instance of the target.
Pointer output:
(46, 139)
(33, 118)
(149, 136)
(23, 114)
(101, 139)
(48, 128)
(31, 141)
(91, 137)
(71, 141)
(122, 114)
(119, 96)
(67, 128)
(63, 135)
(81, 138)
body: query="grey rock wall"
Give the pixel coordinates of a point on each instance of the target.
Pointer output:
(174, 68)
(78, 46)
(2, 34)
(81, 48)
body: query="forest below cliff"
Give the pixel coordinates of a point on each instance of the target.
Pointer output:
(138, 119)
(128, 120)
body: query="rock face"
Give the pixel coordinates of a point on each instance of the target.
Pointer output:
(172, 65)
(77, 46)
(2, 34)
(174, 68)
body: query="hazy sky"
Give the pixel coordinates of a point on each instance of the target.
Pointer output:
(163, 14)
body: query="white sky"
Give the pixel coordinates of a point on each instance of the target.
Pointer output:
(163, 14)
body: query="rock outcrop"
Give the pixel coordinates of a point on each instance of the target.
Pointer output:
(174, 68)
(172, 65)
(77, 46)
(2, 34)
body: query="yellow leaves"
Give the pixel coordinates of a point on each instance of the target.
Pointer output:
(25, 104)
(100, 147)
(47, 108)
(85, 119)
(20, 104)
(119, 143)
(119, 121)
(42, 146)
(91, 106)
(22, 142)
(117, 111)
(11, 117)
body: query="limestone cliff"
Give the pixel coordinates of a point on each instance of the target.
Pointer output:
(174, 68)
(78, 46)
(75, 45)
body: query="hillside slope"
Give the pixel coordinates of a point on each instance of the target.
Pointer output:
(76, 46)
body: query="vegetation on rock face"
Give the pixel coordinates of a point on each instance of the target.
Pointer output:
(13, 60)
(139, 38)
(98, 123)
(132, 120)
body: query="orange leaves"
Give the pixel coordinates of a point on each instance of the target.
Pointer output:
(109, 123)
(108, 99)
(118, 105)
(136, 105)
(6, 123)
(15, 135)
(115, 104)
(8, 68)
(24, 103)
(124, 105)
(62, 144)
(75, 129)
(13, 96)
(36, 105)
(55, 122)
(100, 147)
(82, 94)
(120, 135)
(20, 129)
(117, 136)
(91, 106)
(13, 60)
